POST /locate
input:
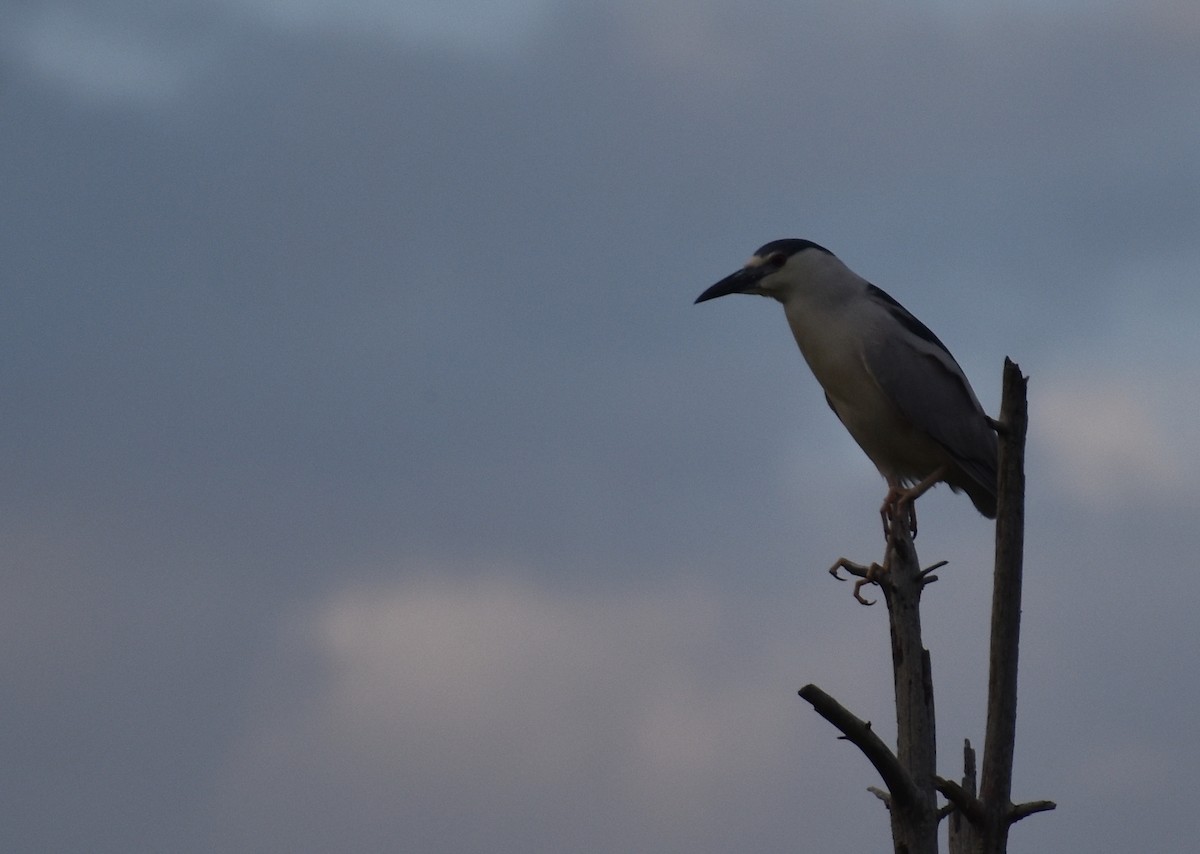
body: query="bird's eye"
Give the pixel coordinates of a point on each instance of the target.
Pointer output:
(775, 260)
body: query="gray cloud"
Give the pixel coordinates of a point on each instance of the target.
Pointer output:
(538, 716)
(303, 321)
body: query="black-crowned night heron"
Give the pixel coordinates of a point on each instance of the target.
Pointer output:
(892, 383)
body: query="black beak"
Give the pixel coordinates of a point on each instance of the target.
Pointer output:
(743, 281)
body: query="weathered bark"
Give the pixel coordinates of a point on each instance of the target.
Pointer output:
(995, 783)
(914, 823)
(988, 817)
(910, 773)
(960, 837)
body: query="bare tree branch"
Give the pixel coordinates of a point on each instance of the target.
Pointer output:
(882, 795)
(932, 568)
(860, 734)
(963, 801)
(1025, 810)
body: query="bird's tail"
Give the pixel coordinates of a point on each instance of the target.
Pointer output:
(984, 498)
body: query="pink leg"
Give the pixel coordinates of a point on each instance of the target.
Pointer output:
(900, 503)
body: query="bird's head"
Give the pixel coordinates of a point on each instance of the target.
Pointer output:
(772, 271)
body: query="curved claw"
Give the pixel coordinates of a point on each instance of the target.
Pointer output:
(858, 585)
(865, 575)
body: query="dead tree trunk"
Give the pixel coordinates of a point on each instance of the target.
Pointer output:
(992, 813)
(979, 824)
(914, 821)
(910, 772)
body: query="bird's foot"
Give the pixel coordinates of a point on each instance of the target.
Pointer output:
(899, 505)
(865, 575)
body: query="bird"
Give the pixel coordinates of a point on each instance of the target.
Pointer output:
(893, 384)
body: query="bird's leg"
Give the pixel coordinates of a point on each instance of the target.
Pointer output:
(888, 508)
(885, 510)
(897, 505)
(900, 503)
(908, 497)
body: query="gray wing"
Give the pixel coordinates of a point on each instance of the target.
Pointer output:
(923, 381)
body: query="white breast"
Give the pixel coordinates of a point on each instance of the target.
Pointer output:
(833, 345)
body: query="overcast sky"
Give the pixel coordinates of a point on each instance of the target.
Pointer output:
(370, 482)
